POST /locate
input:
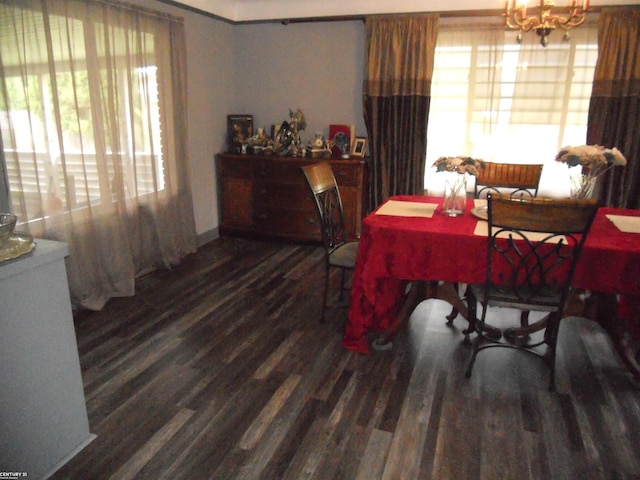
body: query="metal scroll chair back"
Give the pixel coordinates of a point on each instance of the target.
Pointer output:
(513, 178)
(339, 253)
(533, 248)
(328, 202)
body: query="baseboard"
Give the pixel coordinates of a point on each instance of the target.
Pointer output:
(71, 454)
(208, 236)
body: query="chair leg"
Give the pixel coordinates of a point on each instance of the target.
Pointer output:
(552, 368)
(477, 324)
(472, 314)
(325, 293)
(551, 339)
(477, 343)
(472, 361)
(342, 273)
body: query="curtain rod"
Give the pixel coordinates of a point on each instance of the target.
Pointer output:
(348, 18)
(123, 4)
(493, 13)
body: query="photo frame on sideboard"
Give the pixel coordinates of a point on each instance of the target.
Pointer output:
(359, 147)
(239, 130)
(339, 136)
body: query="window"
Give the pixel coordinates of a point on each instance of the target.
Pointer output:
(62, 149)
(93, 124)
(498, 100)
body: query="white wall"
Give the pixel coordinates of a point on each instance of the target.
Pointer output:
(211, 93)
(316, 67)
(263, 69)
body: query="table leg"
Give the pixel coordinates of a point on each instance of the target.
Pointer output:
(418, 292)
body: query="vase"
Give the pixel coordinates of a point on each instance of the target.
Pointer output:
(582, 186)
(455, 194)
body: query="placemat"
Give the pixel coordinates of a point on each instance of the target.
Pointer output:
(407, 209)
(482, 230)
(625, 223)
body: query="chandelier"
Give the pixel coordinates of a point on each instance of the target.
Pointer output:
(544, 22)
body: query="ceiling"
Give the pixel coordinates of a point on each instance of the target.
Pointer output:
(238, 11)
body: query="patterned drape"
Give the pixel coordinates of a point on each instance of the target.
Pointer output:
(614, 111)
(396, 96)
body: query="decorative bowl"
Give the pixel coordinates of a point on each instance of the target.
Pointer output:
(7, 224)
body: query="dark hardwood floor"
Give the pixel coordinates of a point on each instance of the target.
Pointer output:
(219, 369)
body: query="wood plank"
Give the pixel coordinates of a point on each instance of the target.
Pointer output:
(220, 369)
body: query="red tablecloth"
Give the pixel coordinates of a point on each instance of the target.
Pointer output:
(394, 250)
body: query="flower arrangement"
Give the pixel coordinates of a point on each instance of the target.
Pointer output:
(455, 191)
(594, 160)
(463, 165)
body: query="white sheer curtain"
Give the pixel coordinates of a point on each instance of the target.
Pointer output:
(501, 101)
(93, 125)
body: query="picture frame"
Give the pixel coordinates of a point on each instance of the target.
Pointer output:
(239, 130)
(339, 135)
(359, 148)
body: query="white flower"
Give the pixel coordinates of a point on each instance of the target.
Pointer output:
(458, 164)
(594, 158)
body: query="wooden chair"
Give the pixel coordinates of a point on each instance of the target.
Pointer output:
(529, 271)
(338, 252)
(510, 178)
(516, 179)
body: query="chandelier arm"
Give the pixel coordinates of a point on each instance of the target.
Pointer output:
(569, 22)
(526, 24)
(544, 22)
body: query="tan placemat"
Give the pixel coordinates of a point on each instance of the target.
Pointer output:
(625, 223)
(479, 202)
(407, 209)
(482, 230)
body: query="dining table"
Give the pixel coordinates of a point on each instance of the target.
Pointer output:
(409, 241)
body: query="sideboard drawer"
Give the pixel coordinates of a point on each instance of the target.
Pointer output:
(240, 169)
(293, 196)
(269, 196)
(346, 174)
(288, 223)
(279, 172)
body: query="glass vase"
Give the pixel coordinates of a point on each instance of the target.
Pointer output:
(455, 194)
(582, 186)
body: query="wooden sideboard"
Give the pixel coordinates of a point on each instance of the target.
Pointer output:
(269, 196)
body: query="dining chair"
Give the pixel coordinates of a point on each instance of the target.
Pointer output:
(532, 250)
(512, 178)
(517, 180)
(338, 252)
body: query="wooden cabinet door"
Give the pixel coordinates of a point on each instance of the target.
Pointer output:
(237, 204)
